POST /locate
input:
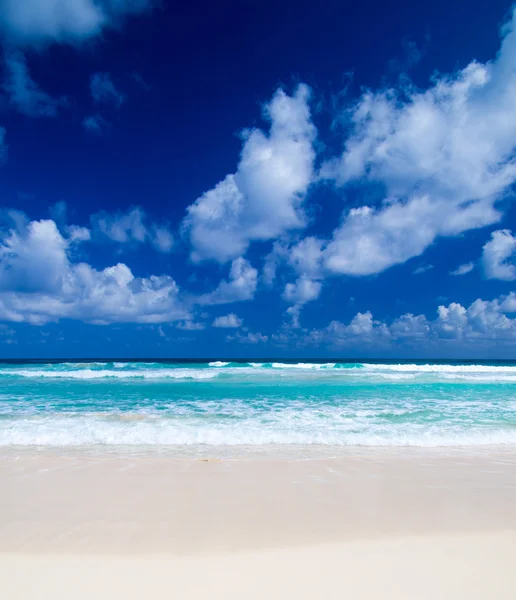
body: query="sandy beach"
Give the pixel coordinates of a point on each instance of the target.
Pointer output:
(389, 524)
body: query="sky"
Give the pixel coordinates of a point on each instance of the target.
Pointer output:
(257, 179)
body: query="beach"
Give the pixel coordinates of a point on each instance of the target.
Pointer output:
(390, 524)
(257, 300)
(125, 480)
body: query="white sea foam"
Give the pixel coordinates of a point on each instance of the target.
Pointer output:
(315, 366)
(312, 371)
(393, 368)
(441, 368)
(392, 376)
(89, 430)
(480, 377)
(370, 405)
(196, 374)
(80, 365)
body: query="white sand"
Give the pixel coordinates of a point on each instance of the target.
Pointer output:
(384, 526)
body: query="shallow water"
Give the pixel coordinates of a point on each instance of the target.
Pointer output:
(219, 404)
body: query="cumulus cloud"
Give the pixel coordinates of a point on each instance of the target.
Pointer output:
(302, 291)
(279, 254)
(361, 330)
(228, 321)
(306, 257)
(444, 158)
(498, 256)
(481, 323)
(37, 22)
(24, 94)
(264, 198)
(132, 227)
(298, 294)
(240, 286)
(508, 303)
(104, 91)
(463, 269)
(39, 283)
(77, 234)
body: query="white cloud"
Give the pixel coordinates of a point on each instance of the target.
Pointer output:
(409, 326)
(132, 227)
(264, 198)
(39, 283)
(24, 94)
(36, 22)
(190, 326)
(230, 321)
(499, 254)
(463, 269)
(104, 91)
(298, 294)
(95, 124)
(34, 260)
(278, 254)
(240, 286)
(508, 304)
(163, 240)
(78, 234)
(481, 323)
(482, 320)
(371, 240)
(121, 227)
(362, 330)
(306, 257)
(302, 291)
(444, 157)
(247, 338)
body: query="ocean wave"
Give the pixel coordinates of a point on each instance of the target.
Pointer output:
(338, 373)
(137, 430)
(441, 368)
(480, 377)
(78, 365)
(316, 366)
(193, 374)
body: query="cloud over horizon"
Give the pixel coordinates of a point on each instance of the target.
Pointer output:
(39, 284)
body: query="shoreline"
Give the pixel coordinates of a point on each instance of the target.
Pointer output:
(241, 452)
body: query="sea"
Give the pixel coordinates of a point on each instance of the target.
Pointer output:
(181, 406)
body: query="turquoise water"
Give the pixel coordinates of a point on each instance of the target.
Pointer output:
(229, 404)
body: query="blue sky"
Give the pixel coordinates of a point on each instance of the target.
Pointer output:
(257, 179)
